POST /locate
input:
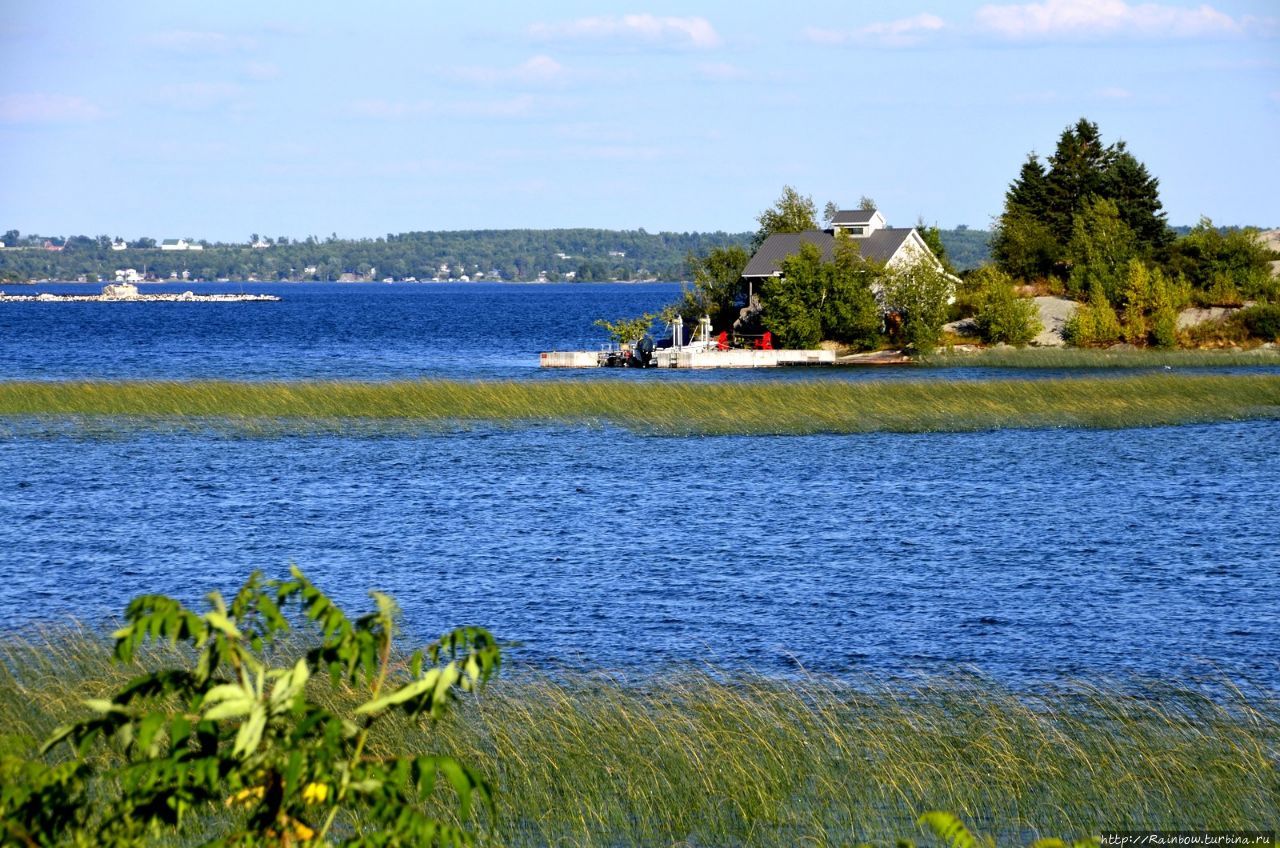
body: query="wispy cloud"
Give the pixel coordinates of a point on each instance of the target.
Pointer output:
(394, 110)
(260, 71)
(722, 71)
(1098, 19)
(38, 108)
(903, 32)
(538, 70)
(199, 41)
(199, 96)
(690, 32)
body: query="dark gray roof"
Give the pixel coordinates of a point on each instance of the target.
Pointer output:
(777, 247)
(852, 216)
(878, 247)
(882, 244)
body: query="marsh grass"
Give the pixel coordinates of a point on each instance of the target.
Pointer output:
(690, 757)
(1094, 358)
(653, 408)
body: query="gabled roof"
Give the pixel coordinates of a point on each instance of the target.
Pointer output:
(878, 247)
(171, 241)
(845, 217)
(881, 245)
(767, 261)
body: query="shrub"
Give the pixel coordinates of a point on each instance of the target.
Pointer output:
(233, 735)
(1094, 323)
(1002, 316)
(1261, 321)
(920, 294)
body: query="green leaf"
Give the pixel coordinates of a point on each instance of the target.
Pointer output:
(949, 829)
(413, 689)
(250, 733)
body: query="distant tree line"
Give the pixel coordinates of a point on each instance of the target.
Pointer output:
(581, 254)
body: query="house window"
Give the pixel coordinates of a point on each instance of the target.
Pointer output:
(857, 231)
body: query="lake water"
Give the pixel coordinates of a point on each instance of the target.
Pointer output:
(1028, 555)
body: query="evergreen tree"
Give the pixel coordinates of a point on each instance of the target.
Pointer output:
(1137, 197)
(1077, 173)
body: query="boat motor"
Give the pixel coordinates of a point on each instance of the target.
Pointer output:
(642, 353)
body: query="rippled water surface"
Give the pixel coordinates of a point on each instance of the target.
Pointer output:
(1030, 555)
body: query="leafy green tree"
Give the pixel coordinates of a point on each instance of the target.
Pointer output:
(717, 289)
(1024, 247)
(920, 294)
(1001, 315)
(933, 238)
(793, 302)
(1094, 322)
(234, 735)
(866, 204)
(1234, 259)
(850, 311)
(1100, 249)
(793, 213)
(625, 331)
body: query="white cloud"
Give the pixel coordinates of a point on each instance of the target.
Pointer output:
(903, 32)
(393, 110)
(1115, 93)
(722, 71)
(197, 41)
(649, 29)
(1093, 19)
(198, 96)
(538, 70)
(260, 71)
(46, 109)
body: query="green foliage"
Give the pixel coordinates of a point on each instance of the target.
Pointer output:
(1099, 251)
(793, 213)
(953, 833)
(627, 330)
(1040, 221)
(919, 294)
(1001, 315)
(933, 238)
(1151, 306)
(1224, 267)
(591, 254)
(793, 302)
(717, 289)
(231, 733)
(1261, 321)
(815, 300)
(1094, 323)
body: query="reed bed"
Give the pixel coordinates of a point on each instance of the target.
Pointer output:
(1092, 358)
(690, 757)
(667, 408)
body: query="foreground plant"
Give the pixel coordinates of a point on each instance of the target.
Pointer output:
(237, 747)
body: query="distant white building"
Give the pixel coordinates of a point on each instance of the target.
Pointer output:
(261, 244)
(618, 253)
(180, 244)
(119, 244)
(128, 275)
(562, 256)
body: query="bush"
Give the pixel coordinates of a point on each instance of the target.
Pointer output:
(1002, 316)
(243, 746)
(1261, 321)
(920, 294)
(1094, 323)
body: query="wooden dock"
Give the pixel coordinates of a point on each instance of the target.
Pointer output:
(695, 357)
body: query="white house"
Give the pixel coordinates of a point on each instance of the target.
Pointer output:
(119, 244)
(180, 244)
(891, 247)
(128, 275)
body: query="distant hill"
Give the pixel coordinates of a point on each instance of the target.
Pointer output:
(967, 248)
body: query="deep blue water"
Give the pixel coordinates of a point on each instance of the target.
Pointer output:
(1029, 555)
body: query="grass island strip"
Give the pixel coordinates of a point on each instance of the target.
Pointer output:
(685, 408)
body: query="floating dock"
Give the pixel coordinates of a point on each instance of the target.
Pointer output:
(693, 357)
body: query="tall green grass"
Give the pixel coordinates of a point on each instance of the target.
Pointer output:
(686, 757)
(1092, 358)
(662, 408)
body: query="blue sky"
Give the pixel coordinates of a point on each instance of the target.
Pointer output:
(215, 120)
